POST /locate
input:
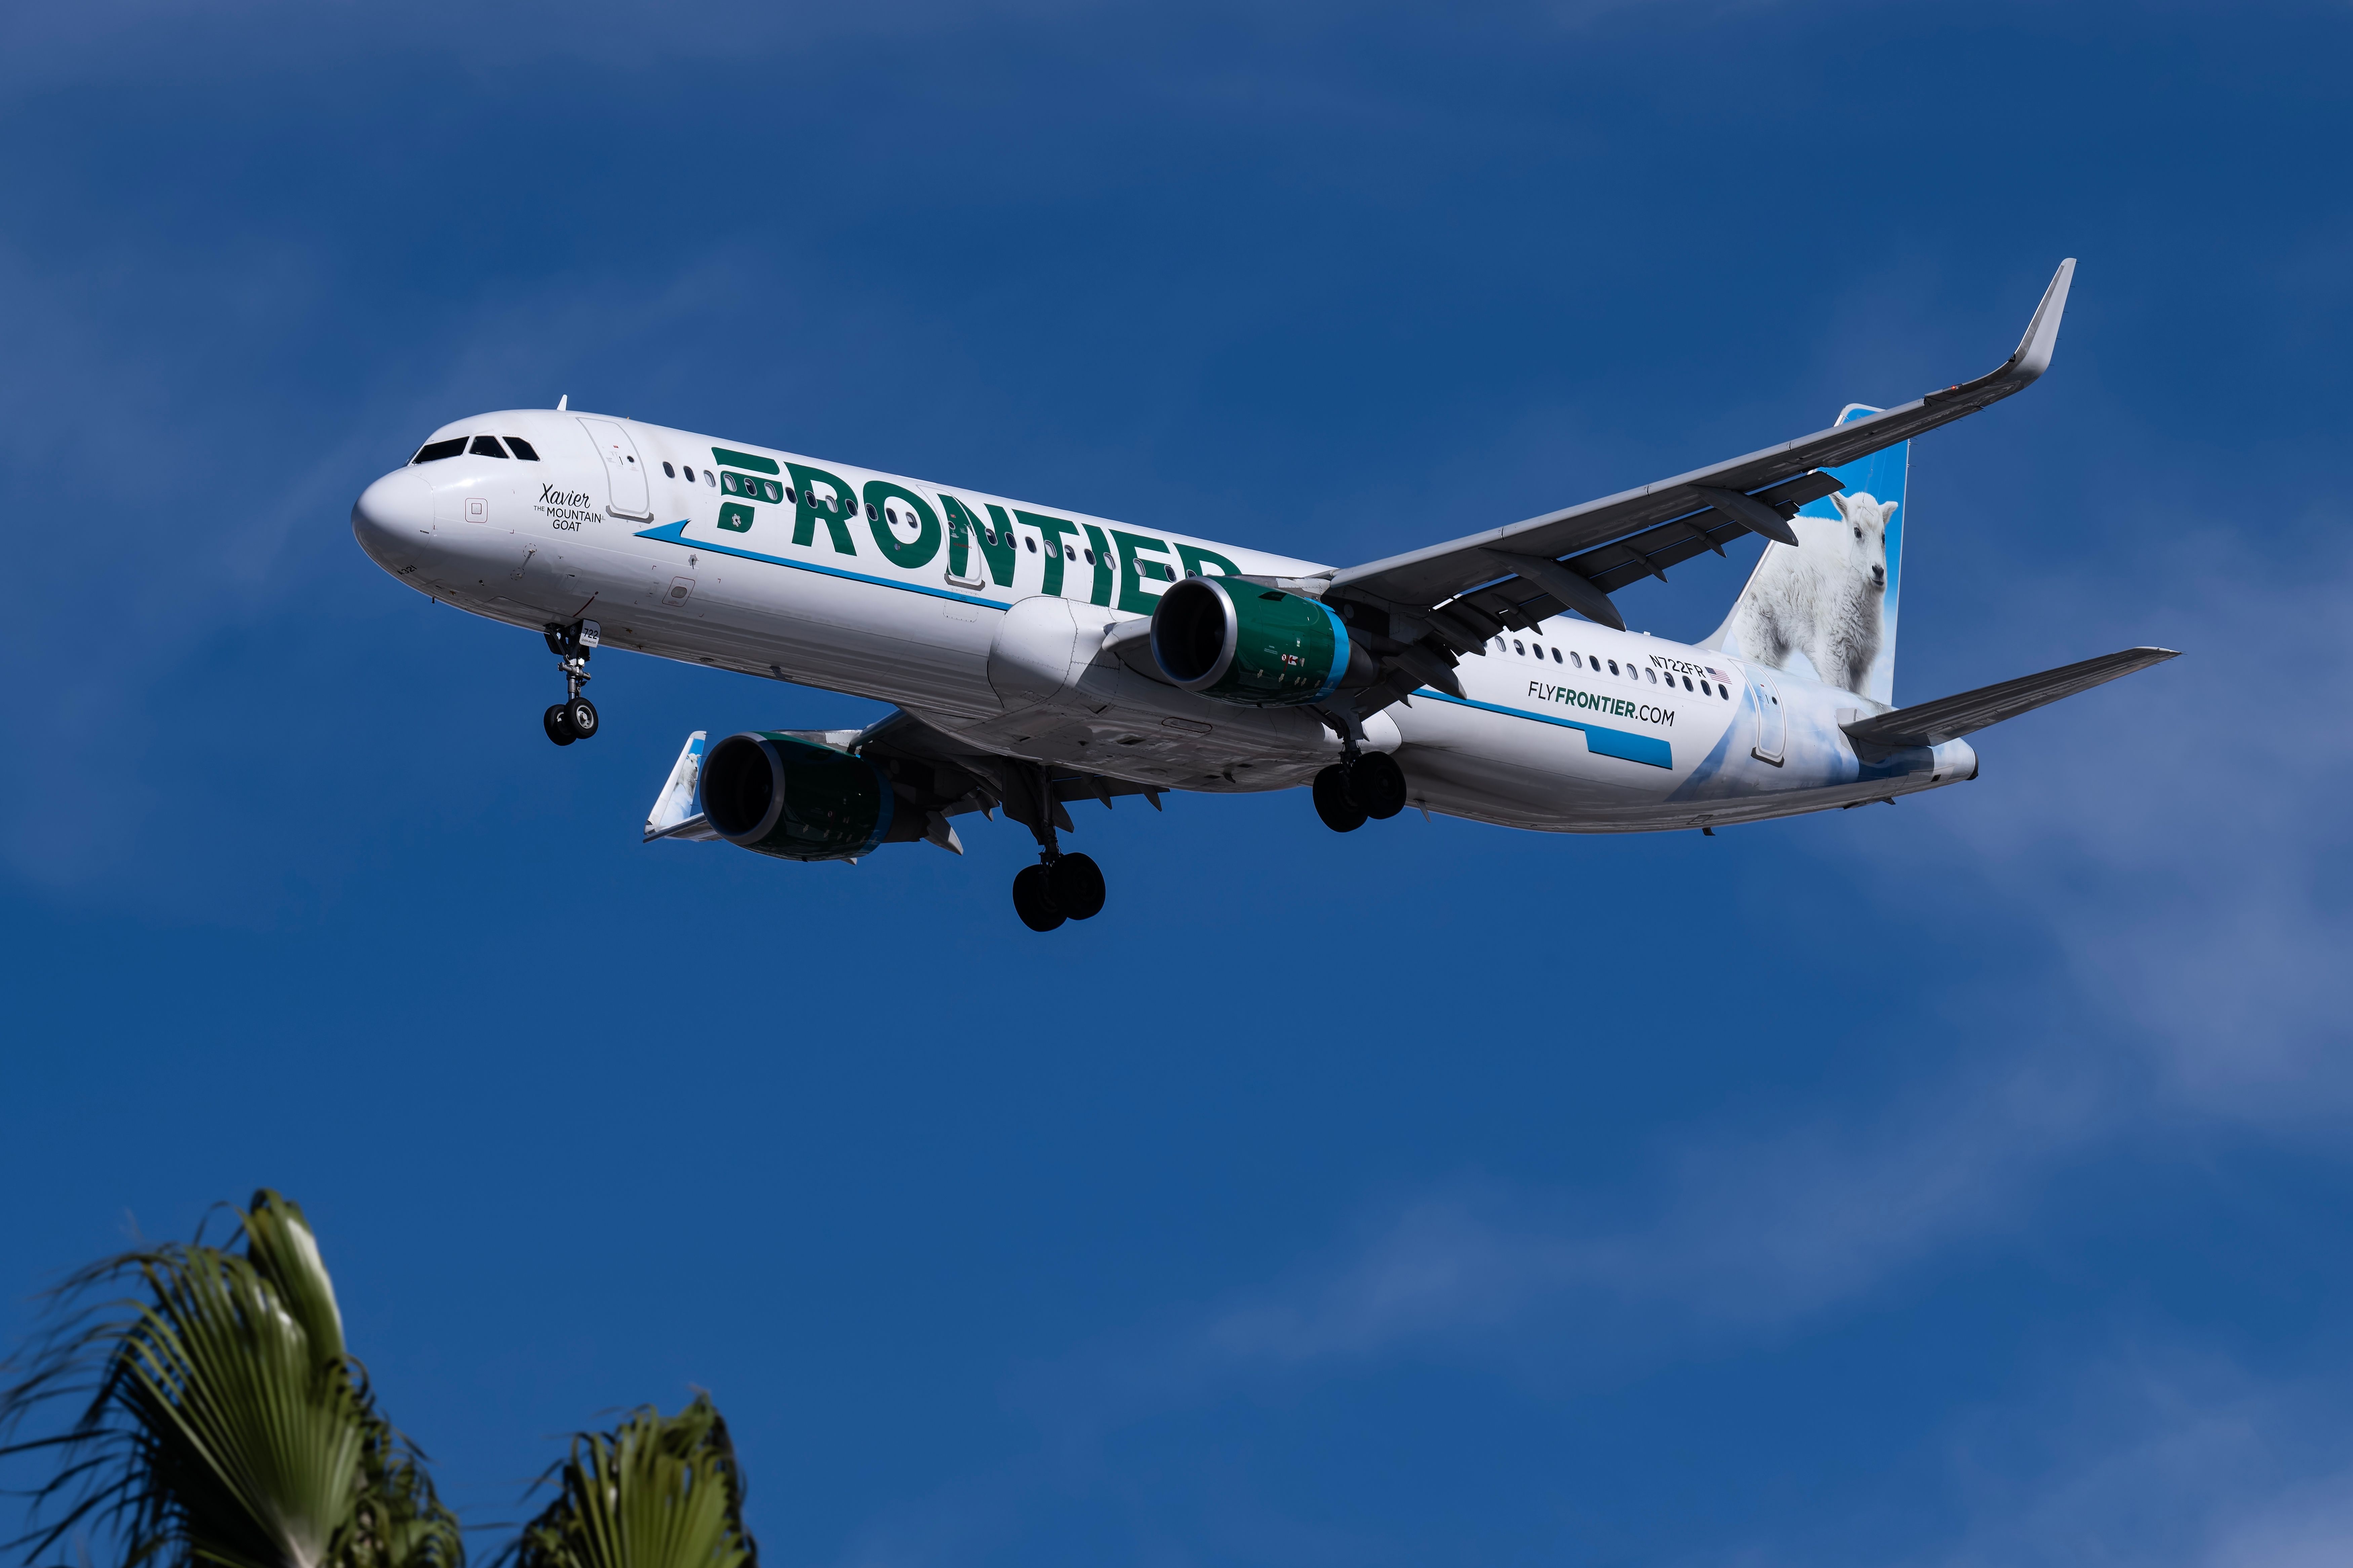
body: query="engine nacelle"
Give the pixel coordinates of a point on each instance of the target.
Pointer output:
(1259, 647)
(793, 798)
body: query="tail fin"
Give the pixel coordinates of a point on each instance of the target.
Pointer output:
(1827, 609)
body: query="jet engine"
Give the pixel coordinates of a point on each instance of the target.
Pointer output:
(1239, 642)
(795, 799)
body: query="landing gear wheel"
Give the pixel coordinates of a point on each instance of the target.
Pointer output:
(1340, 814)
(580, 718)
(1378, 784)
(1033, 903)
(558, 725)
(1076, 885)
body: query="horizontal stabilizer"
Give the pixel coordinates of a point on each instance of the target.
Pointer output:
(1950, 718)
(674, 815)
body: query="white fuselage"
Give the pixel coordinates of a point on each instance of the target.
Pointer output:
(984, 617)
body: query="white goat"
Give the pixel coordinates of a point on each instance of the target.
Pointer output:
(1822, 599)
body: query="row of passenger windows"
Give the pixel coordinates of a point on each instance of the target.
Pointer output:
(745, 485)
(1594, 662)
(481, 446)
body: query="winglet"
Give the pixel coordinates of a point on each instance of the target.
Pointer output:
(673, 815)
(2033, 355)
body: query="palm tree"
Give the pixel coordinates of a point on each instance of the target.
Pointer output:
(227, 1425)
(655, 1492)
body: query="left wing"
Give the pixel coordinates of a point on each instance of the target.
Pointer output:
(934, 776)
(1448, 599)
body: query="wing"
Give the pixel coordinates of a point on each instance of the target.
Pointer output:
(1446, 600)
(1950, 718)
(934, 776)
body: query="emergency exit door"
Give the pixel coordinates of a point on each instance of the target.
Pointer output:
(624, 476)
(1772, 720)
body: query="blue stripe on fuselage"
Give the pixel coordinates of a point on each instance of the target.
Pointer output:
(674, 533)
(1648, 749)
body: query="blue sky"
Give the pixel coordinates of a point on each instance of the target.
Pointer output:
(1957, 1183)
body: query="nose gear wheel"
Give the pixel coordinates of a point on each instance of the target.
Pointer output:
(574, 717)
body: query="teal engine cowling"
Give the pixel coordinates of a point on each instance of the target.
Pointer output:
(1239, 642)
(782, 795)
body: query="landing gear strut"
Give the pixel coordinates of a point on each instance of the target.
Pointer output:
(1059, 886)
(574, 717)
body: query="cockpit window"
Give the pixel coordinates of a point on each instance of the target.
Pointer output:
(523, 450)
(434, 451)
(488, 446)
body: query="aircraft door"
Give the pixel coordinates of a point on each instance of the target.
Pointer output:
(624, 476)
(1772, 720)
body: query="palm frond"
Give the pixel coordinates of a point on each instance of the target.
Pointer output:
(226, 1425)
(655, 1492)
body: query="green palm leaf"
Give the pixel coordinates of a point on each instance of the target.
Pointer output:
(227, 1425)
(655, 1492)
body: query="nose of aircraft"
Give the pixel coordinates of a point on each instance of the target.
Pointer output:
(391, 519)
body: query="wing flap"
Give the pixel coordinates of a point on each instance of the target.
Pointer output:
(1950, 718)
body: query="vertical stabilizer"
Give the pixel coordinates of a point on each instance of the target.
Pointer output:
(1826, 608)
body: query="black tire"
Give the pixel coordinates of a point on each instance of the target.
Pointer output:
(580, 717)
(558, 727)
(1378, 784)
(1340, 814)
(1076, 885)
(1033, 903)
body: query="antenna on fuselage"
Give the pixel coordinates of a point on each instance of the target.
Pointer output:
(560, 403)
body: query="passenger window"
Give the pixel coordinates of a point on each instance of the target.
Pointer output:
(870, 513)
(434, 451)
(1687, 683)
(1090, 557)
(1518, 649)
(1032, 544)
(1556, 655)
(488, 446)
(1652, 674)
(670, 473)
(523, 450)
(1069, 553)
(708, 478)
(1613, 666)
(1536, 648)
(792, 495)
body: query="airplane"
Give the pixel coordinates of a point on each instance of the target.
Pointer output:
(1036, 658)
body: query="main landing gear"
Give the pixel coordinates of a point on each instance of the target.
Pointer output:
(574, 717)
(1361, 784)
(1065, 887)
(1059, 886)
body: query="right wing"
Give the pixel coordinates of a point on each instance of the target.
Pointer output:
(1447, 600)
(1950, 718)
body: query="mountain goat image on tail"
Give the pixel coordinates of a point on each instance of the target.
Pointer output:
(1834, 597)
(1824, 599)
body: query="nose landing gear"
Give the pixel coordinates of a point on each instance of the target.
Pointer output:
(574, 717)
